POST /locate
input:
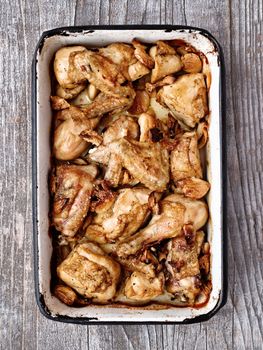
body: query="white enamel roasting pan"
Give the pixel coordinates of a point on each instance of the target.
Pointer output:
(49, 43)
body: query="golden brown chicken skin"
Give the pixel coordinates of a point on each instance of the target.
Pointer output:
(90, 272)
(71, 188)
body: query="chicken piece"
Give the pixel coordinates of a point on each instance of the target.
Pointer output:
(140, 103)
(141, 54)
(191, 63)
(123, 126)
(67, 145)
(166, 61)
(90, 272)
(124, 217)
(72, 188)
(58, 103)
(167, 224)
(183, 266)
(196, 211)
(104, 104)
(104, 75)
(139, 287)
(100, 154)
(193, 187)
(120, 54)
(185, 158)
(183, 251)
(71, 122)
(67, 76)
(146, 162)
(68, 94)
(186, 98)
(186, 290)
(137, 70)
(145, 263)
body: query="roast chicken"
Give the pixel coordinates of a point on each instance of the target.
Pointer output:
(128, 209)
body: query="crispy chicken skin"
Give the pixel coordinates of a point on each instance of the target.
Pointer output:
(71, 189)
(146, 162)
(126, 182)
(90, 272)
(186, 98)
(124, 217)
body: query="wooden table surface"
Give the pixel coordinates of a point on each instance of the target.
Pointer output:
(237, 24)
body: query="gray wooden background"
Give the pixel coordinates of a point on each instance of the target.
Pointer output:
(237, 24)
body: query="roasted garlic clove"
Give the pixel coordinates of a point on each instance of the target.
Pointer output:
(193, 187)
(65, 294)
(191, 63)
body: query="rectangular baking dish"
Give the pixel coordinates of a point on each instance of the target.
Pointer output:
(48, 44)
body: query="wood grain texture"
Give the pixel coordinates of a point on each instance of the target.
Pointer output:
(238, 27)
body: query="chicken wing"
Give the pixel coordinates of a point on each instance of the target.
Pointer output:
(146, 162)
(90, 272)
(72, 188)
(186, 98)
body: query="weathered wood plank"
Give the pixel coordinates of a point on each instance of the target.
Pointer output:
(238, 27)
